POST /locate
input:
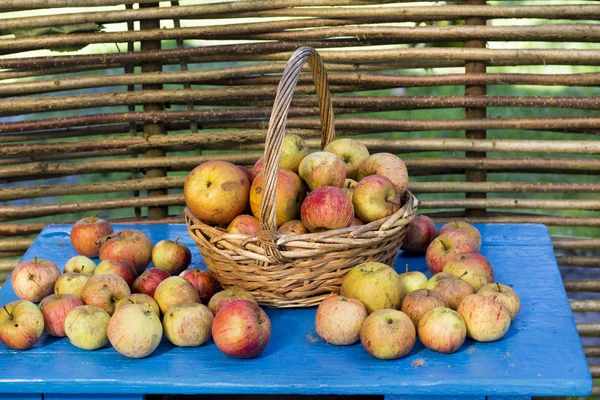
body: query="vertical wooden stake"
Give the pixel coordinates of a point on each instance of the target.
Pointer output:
(152, 128)
(471, 113)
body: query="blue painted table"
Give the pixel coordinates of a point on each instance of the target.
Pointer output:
(540, 355)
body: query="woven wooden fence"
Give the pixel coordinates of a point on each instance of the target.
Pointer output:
(105, 106)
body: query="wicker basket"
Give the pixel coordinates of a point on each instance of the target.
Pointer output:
(296, 270)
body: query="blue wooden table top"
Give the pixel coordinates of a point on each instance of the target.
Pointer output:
(540, 355)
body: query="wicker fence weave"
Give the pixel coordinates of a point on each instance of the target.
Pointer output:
(493, 106)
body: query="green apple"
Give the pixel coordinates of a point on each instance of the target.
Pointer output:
(293, 151)
(352, 152)
(80, 265)
(85, 326)
(134, 330)
(375, 284)
(411, 281)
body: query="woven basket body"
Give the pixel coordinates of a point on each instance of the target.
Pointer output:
(296, 270)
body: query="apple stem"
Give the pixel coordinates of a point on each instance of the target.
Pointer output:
(57, 292)
(464, 273)
(499, 288)
(9, 314)
(94, 218)
(176, 239)
(35, 260)
(406, 267)
(456, 223)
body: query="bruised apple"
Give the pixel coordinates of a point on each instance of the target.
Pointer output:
(293, 227)
(21, 324)
(388, 334)
(339, 319)
(487, 320)
(134, 331)
(293, 151)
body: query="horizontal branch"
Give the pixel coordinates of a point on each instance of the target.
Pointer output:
(7, 265)
(578, 261)
(582, 286)
(569, 243)
(517, 218)
(571, 204)
(15, 244)
(588, 329)
(590, 351)
(586, 306)
(498, 187)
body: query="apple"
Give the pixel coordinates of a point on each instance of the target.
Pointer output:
(388, 165)
(122, 268)
(446, 246)
(149, 280)
(71, 283)
(326, 208)
(141, 299)
(33, 280)
(465, 227)
(373, 283)
(289, 193)
(134, 331)
(173, 291)
(85, 234)
(21, 324)
(322, 169)
(188, 325)
(471, 267)
(293, 227)
(204, 282)
(504, 295)
(104, 291)
(417, 303)
(451, 288)
(293, 151)
(411, 281)
(257, 168)
(442, 329)
(227, 296)
(421, 231)
(351, 152)
(356, 222)
(486, 319)
(241, 329)
(129, 245)
(171, 256)
(339, 319)
(246, 171)
(216, 192)
(244, 224)
(80, 264)
(349, 186)
(375, 197)
(55, 308)
(85, 326)
(388, 334)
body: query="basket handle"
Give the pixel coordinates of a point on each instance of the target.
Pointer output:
(276, 134)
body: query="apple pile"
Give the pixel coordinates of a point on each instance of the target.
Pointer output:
(341, 186)
(121, 301)
(387, 311)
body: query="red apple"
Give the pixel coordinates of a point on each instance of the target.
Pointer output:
(227, 296)
(504, 295)
(246, 171)
(293, 227)
(417, 303)
(104, 291)
(149, 280)
(375, 197)
(388, 334)
(173, 291)
(21, 324)
(289, 194)
(216, 192)
(471, 267)
(445, 247)
(465, 227)
(326, 208)
(241, 329)
(171, 256)
(356, 222)
(486, 319)
(451, 288)
(257, 168)
(244, 224)
(388, 165)
(122, 268)
(351, 152)
(129, 245)
(55, 308)
(421, 231)
(339, 319)
(86, 232)
(442, 329)
(203, 281)
(33, 280)
(322, 169)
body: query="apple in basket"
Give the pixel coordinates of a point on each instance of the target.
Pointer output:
(188, 325)
(289, 194)
(293, 151)
(130, 245)
(339, 319)
(104, 291)
(375, 197)
(171, 256)
(175, 290)
(322, 169)
(257, 168)
(293, 227)
(21, 324)
(85, 326)
(71, 283)
(122, 268)
(33, 280)
(349, 186)
(325, 208)
(149, 280)
(421, 231)
(417, 303)
(244, 224)
(204, 282)
(55, 309)
(486, 319)
(351, 152)
(134, 331)
(471, 267)
(227, 296)
(446, 246)
(80, 264)
(216, 192)
(388, 165)
(465, 227)
(388, 334)
(450, 287)
(85, 234)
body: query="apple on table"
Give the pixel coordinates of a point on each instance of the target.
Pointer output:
(141, 299)
(204, 282)
(188, 325)
(104, 291)
(420, 233)
(450, 287)
(417, 303)
(388, 334)
(338, 320)
(55, 308)
(130, 245)
(173, 291)
(21, 324)
(446, 246)
(228, 296)
(171, 256)
(85, 326)
(80, 265)
(442, 329)
(71, 283)
(149, 280)
(85, 235)
(134, 331)
(34, 279)
(374, 284)
(122, 268)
